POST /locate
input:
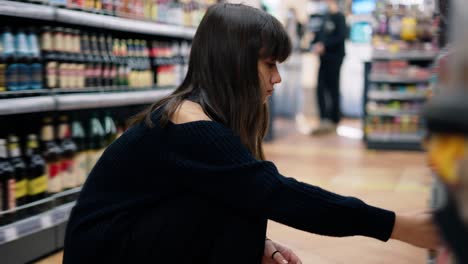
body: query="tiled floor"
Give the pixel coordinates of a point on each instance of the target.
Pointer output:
(398, 181)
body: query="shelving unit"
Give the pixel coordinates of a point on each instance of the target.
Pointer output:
(393, 141)
(38, 234)
(61, 15)
(34, 230)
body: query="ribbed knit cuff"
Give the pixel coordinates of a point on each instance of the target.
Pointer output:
(378, 223)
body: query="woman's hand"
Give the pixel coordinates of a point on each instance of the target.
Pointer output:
(276, 253)
(417, 229)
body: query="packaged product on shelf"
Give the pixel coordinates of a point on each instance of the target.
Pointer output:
(7, 178)
(3, 85)
(69, 150)
(37, 170)
(110, 129)
(96, 137)
(81, 158)
(20, 168)
(8, 43)
(53, 156)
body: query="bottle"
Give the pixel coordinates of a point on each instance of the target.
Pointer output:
(81, 158)
(96, 139)
(12, 75)
(3, 86)
(7, 178)
(33, 43)
(52, 155)
(19, 166)
(47, 44)
(110, 129)
(24, 75)
(36, 76)
(8, 43)
(37, 170)
(69, 150)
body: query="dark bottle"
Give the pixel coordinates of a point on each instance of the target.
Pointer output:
(21, 180)
(7, 178)
(81, 158)
(52, 154)
(96, 138)
(110, 129)
(37, 170)
(69, 150)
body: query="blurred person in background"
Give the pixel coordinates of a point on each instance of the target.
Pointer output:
(329, 44)
(189, 181)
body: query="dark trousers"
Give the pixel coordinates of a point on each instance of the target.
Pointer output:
(328, 89)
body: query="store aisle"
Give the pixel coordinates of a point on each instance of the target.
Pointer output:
(394, 180)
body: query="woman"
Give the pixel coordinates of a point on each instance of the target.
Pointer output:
(187, 183)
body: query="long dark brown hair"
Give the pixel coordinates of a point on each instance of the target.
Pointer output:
(223, 72)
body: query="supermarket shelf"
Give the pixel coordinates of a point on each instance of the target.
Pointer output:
(26, 10)
(405, 55)
(376, 95)
(402, 138)
(50, 13)
(394, 142)
(35, 229)
(26, 105)
(379, 78)
(392, 112)
(122, 24)
(36, 223)
(111, 99)
(394, 145)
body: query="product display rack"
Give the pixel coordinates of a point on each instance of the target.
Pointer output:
(398, 78)
(73, 17)
(34, 230)
(391, 141)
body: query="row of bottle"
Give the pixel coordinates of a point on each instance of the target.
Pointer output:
(17, 76)
(71, 60)
(408, 23)
(59, 159)
(80, 75)
(187, 12)
(388, 125)
(394, 106)
(409, 89)
(79, 45)
(401, 69)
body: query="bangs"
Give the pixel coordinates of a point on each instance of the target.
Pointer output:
(275, 41)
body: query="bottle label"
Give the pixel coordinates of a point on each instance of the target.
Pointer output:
(55, 177)
(11, 197)
(21, 189)
(68, 171)
(37, 185)
(81, 167)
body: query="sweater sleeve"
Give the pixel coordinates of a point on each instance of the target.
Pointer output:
(220, 167)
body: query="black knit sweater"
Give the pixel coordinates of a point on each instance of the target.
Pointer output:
(192, 193)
